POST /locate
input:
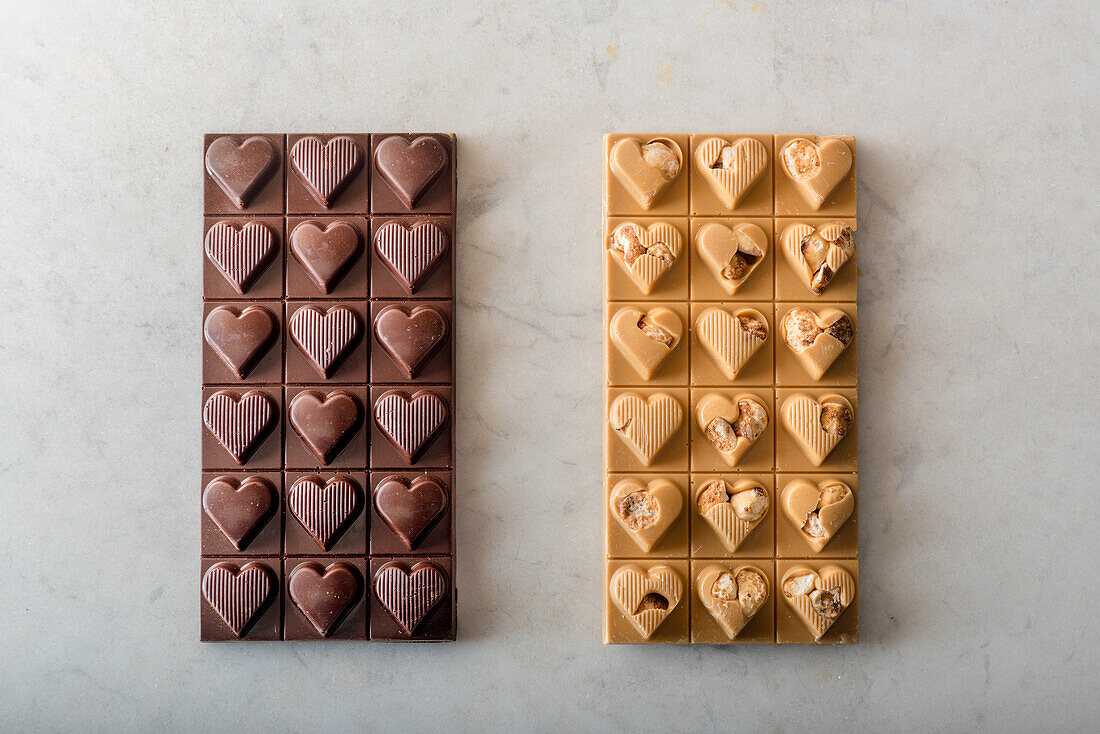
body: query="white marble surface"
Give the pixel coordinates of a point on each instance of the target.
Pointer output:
(978, 177)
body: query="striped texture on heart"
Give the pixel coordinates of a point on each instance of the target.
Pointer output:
(725, 340)
(324, 336)
(410, 252)
(751, 158)
(323, 511)
(238, 423)
(646, 270)
(629, 585)
(409, 423)
(409, 596)
(240, 253)
(237, 594)
(732, 529)
(326, 168)
(802, 414)
(646, 424)
(834, 578)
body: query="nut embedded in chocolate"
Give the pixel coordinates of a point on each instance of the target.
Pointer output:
(812, 527)
(752, 419)
(842, 330)
(836, 420)
(801, 158)
(800, 328)
(831, 494)
(651, 600)
(714, 493)
(798, 585)
(626, 240)
(752, 591)
(754, 326)
(724, 587)
(661, 157)
(639, 510)
(655, 332)
(826, 602)
(750, 505)
(721, 434)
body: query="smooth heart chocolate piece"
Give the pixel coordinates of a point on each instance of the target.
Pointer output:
(731, 426)
(239, 508)
(238, 595)
(817, 339)
(645, 253)
(326, 169)
(816, 169)
(803, 419)
(240, 338)
(731, 254)
(732, 511)
(817, 252)
(411, 422)
(239, 422)
(646, 339)
(818, 598)
(326, 254)
(817, 511)
(325, 422)
(730, 170)
(241, 253)
(645, 424)
(410, 509)
(326, 337)
(410, 252)
(646, 511)
(411, 338)
(410, 168)
(646, 598)
(324, 595)
(732, 595)
(731, 338)
(645, 176)
(409, 594)
(324, 511)
(241, 171)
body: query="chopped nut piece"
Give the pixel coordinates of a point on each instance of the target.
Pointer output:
(747, 245)
(639, 510)
(724, 587)
(714, 493)
(757, 328)
(821, 279)
(627, 240)
(799, 585)
(720, 433)
(750, 505)
(815, 247)
(752, 591)
(656, 332)
(844, 240)
(752, 419)
(661, 157)
(812, 526)
(739, 266)
(831, 494)
(727, 159)
(826, 603)
(651, 601)
(842, 330)
(801, 158)
(800, 328)
(660, 251)
(836, 420)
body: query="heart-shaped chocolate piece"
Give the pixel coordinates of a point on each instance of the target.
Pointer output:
(645, 253)
(730, 170)
(816, 339)
(324, 595)
(645, 170)
(324, 511)
(816, 169)
(646, 339)
(411, 338)
(731, 426)
(646, 598)
(239, 422)
(731, 338)
(732, 595)
(240, 253)
(238, 595)
(646, 511)
(325, 422)
(325, 253)
(410, 509)
(326, 169)
(818, 598)
(731, 254)
(326, 337)
(645, 424)
(410, 252)
(817, 511)
(817, 252)
(239, 508)
(240, 338)
(817, 426)
(241, 171)
(411, 422)
(410, 167)
(732, 510)
(408, 594)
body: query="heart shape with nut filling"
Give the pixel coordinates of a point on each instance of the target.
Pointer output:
(326, 169)
(818, 597)
(731, 426)
(646, 511)
(816, 169)
(817, 339)
(240, 338)
(645, 253)
(817, 426)
(324, 511)
(645, 171)
(731, 169)
(817, 511)
(645, 425)
(731, 253)
(732, 512)
(238, 508)
(646, 339)
(238, 595)
(731, 338)
(241, 253)
(816, 253)
(733, 596)
(646, 598)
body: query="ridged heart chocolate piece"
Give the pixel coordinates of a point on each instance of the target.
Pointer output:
(238, 595)
(239, 422)
(410, 252)
(732, 595)
(241, 171)
(240, 253)
(646, 511)
(326, 169)
(410, 594)
(239, 508)
(411, 422)
(324, 595)
(325, 253)
(816, 169)
(645, 253)
(645, 170)
(646, 597)
(240, 338)
(645, 424)
(325, 511)
(325, 422)
(326, 337)
(410, 509)
(817, 339)
(732, 510)
(410, 167)
(817, 426)
(731, 338)
(818, 598)
(816, 252)
(411, 338)
(731, 169)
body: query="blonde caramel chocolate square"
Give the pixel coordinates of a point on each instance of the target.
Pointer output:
(835, 527)
(724, 263)
(646, 258)
(794, 270)
(713, 617)
(794, 450)
(647, 343)
(647, 601)
(791, 627)
(815, 175)
(646, 429)
(646, 516)
(731, 175)
(816, 338)
(747, 454)
(646, 175)
(726, 519)
(732, 344)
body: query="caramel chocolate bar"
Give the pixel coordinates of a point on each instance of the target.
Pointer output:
(731, 414)
(328, 479)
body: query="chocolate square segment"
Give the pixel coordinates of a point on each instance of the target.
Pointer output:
(241, 599)
(327, 174)
(412, 257)
(413, 173)
(412, 599)
(243, 174)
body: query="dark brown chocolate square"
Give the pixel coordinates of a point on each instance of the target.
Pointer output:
(435, 282)
(409, 512)
(238, 600)
(436, 452)
(267, 281)
(354, 198)
(350, 368)
(352, 455)
(257, 529)
(349, 624)
(437, 198)
(345, 534)
(268, 197)
(384, 366)
(263, 368)
(353, 283)
(436, 626)
(267, 451)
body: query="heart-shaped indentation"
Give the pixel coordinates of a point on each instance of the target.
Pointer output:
(818, 597)
(410, 252)
(411, 422)
(731, 426)
(816, 253)
(646, 511)
(324, 511)
(239, 508)
(241, 171)
(239, 422)
(731, 254)
(645, 424)
(324, 595)
(325, 422)
(816, 339)
(240, 253)
(731, 169)
(410, 509)
(409, 594)
(325, 253)
(326, 169)
(240, 338)
(646, 598)
(816, 169)
(411, 337)
(238, 595)
(645, 253)
(410, 167)
(325, 336)
(817, 511)
(645, 170)
(732, 595)
(818, 426)
(646, 339)
(732, 510)
(731, 338)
